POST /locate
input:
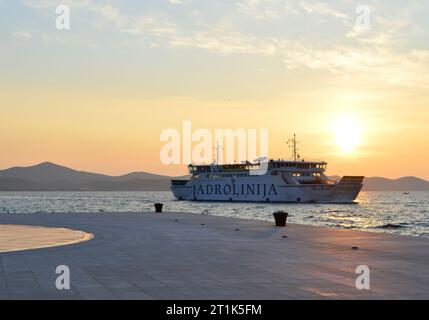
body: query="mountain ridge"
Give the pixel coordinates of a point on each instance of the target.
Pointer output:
(48, 176)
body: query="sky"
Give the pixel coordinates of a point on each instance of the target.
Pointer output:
(97, 97)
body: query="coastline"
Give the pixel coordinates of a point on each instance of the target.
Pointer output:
(190, 256)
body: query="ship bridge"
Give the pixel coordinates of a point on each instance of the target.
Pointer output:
(306, 166)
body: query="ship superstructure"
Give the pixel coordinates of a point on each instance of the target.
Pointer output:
(294, 180)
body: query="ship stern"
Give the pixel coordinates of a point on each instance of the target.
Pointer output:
(347, 189)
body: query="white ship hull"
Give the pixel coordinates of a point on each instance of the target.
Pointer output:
(267, 188)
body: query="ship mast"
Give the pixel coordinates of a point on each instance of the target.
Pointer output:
(293, 144)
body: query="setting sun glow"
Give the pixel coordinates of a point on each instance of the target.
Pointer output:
(98, 96)
(348, 133)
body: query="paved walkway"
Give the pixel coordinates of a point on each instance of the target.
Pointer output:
(185, 256)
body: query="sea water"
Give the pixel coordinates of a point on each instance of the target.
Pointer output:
(391, 212)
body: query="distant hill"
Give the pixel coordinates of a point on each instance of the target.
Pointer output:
(47, 172)
(49, 176)
(401, 184)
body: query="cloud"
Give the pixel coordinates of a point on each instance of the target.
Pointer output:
(376, 54)
(158, 30)
(156, 25)
(383, 30)
(105, 10)
(22, 35)
(109, 12)
(225, 42)
(274, 9)
(378, 64)
(52, 4)
(318, 7)
(176, 1)
(261, 9)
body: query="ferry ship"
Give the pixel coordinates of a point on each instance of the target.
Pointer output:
(290, 181)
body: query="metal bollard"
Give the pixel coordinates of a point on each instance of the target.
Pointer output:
(280, 217)
(158, 207)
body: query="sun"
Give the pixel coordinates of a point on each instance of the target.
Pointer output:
(347, 131)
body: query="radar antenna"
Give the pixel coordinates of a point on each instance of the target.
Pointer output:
(293, 144)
